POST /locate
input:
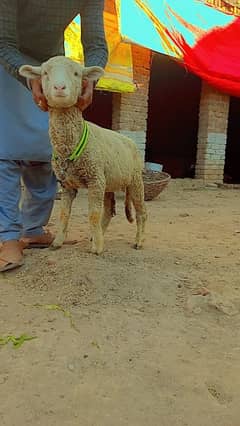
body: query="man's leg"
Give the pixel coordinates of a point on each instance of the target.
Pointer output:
(10, 192)
(39, 195)
(10, 219)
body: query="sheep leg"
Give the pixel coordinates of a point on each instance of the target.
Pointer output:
(137, 196)
(109, 210)
(67, 198)
(95, 203)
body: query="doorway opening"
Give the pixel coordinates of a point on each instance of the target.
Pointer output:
(172, 130)
(232, 159)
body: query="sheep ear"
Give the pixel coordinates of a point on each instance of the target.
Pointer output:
(29, 71)
(93, 73)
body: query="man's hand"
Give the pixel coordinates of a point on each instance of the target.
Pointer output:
(87, 94)
(37, 93)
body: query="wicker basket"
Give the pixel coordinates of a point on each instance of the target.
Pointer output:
(154, 183)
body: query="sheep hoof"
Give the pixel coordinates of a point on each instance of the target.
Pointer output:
(137, 246)
(97, 252)
(55, 245)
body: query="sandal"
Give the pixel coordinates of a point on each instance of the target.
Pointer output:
(39, 241)
(11, 255)
(42, 241)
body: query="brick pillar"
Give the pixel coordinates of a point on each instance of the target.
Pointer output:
(212, 134)
(130, 110)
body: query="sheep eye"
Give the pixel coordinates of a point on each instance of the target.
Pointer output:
(45, 73)
(76, 74)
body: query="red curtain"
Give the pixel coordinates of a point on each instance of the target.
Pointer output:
(216, 57)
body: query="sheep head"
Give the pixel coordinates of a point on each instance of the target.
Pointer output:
(61, 79)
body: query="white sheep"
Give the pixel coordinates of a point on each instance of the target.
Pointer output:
(110, 162)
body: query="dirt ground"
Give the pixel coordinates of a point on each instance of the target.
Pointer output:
(149, 337)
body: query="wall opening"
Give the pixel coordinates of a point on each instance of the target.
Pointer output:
(232, 160)
(172, 131)
(100, 111)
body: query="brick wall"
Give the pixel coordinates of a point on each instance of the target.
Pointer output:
(130, 110)
(212, 134)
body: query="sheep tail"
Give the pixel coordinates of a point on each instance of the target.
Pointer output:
(128, 207)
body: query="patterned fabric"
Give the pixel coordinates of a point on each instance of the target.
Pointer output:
(203, 34)
(118, 76)
(31, 31)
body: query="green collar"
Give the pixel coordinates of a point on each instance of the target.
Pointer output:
(80, 146)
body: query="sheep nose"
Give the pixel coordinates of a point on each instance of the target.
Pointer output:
(59, 87)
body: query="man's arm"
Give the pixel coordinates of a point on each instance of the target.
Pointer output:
(94, 45)
(10, 57)
(93, 35)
